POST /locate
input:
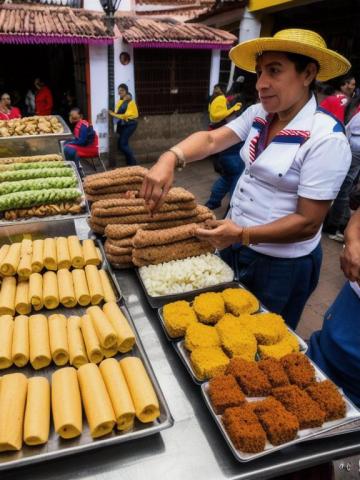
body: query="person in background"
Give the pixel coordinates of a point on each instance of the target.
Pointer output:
(86, 142)
(336, 103)
(7, 112)
(339, 214)
(30, 102)
(227, 163)
(126, 112)
(68, 102)
(43, 98)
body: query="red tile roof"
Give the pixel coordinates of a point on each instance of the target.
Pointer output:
(148, 32)
(24, 23)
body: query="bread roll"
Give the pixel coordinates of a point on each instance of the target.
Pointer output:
(6, 339)
(77, 350)
(10, 263)
(50, 290)
(59, 346)
(62, 252)
(24, 269)
(37, 412)
(97, 405)
(40, 356)
(50, 256)
(76, 252)
(20, 350)
(103, 327)
(3, 252)
(37, 262)
(126, 337)
(91, 340)
(94, 284)
(66, 403)
(22, 304)
(7, 296)
(81, 287)
(109, 352)
(109, 295)
(142, 392)
(36, 290)
(90, 254)
(12, 407)
(119, 393)
(66, 288)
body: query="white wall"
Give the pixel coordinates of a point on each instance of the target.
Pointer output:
(93, 5)
(214, 69)
(124, 73)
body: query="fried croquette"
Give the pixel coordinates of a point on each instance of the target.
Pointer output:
(274, 371)
(244, 429)
(298, 369)
(199, 335)
(209, 307)
(235, 339)
(329, 399)
(225, 392)
(269, 328)
(252, 380)
(177, 317)
(288, 344)
(208, 362)
(239, 300)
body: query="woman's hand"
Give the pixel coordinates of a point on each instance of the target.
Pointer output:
(220, 233)
(158, 181)
(111, 113)
(350, 260)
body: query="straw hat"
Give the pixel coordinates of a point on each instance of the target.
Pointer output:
(293, 40)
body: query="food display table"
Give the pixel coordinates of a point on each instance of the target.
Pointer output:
(193, 447)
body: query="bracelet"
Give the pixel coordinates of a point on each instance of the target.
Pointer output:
(180, 157)
(245, 237)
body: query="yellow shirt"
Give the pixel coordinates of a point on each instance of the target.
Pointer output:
(131, 111)
(218, 109)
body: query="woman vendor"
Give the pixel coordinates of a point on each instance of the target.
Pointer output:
(296, 157)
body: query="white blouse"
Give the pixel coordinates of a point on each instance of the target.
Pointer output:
(309, 158)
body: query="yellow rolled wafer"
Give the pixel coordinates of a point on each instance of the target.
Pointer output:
(103, 327)
(66, 288)
(98, 251)
(97, 405)
(76, 252)
(66, 403)
(90, 254)
(22, 304)
(50, 256)
(3, 252)
(109, 352)
(91, 340)
(81, 287)
(59, 346)
(37, 261)
(94, 284)
(126, 337)
(141, 390)
(24, 269)
(20, 349)
(36, 290)
(77, 350)
(7, 296)
(109, 295)
(119, 393)
(12, 408)
(50, 290)
(40, 356)
(62, 253)
(37, 411)
(10, 263)
(6, 339)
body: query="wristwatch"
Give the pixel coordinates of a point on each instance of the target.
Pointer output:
(180, 157)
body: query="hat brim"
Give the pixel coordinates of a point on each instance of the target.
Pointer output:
(331, 63)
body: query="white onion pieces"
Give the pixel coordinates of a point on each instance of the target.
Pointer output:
(180, 276)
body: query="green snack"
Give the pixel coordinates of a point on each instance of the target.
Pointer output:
(37, 184)
(32, 165)
(34, 198)
(14, 176)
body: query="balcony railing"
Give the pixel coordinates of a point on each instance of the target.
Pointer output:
(59, 3)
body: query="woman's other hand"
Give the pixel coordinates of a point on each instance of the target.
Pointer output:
(220, 233)
(350, 257)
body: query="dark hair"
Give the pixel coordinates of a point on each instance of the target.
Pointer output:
(124, 86)
(301, 62)
(350, 108)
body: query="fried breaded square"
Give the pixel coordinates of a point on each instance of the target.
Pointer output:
(209, 307)
(244, 429)
(329, 399)
(274, 371)
(251, 379)
(299, 369)
(177, 317)
(225, 392)
(269, 328)
(199, 335)
(288, 344)
(208, 362)
(239, 300)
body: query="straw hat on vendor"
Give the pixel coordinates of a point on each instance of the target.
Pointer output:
(296, 157)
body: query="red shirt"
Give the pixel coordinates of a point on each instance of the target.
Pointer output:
(336, 104)
(43, 101)
(14, 113)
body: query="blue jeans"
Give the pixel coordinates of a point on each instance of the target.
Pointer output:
(232, 167)
(124, 134)
(71, 155)
(283, 285)
(336, 347)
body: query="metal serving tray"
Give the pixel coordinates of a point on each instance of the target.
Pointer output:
(84, 214)
(352, 413)
(157, 302)
(56, 447)
(26, 145)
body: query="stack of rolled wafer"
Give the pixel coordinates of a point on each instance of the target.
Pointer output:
(114, 183)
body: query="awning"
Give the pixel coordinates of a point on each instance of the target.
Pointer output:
(40, 24)
(143, 32)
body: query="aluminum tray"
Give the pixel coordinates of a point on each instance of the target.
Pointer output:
(352, 413)
(26, 145)
(160, 301)
(52, 218)
(57, 447)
